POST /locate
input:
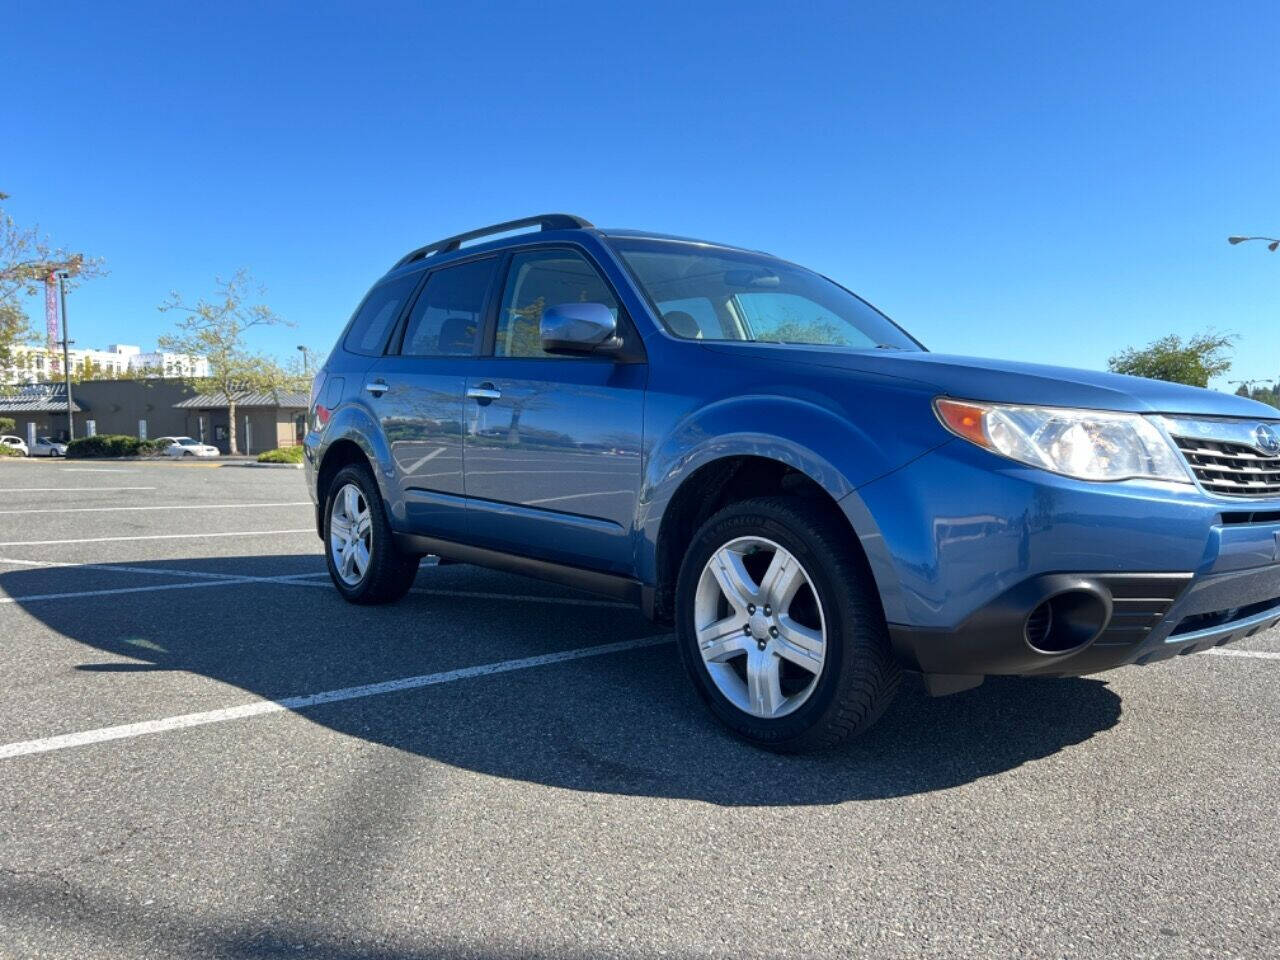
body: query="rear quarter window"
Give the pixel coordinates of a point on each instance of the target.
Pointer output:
(378, 314)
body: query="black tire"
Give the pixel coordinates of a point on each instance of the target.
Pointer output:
(859, 676)
(390, 573)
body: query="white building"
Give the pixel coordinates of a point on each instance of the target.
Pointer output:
(34, 363)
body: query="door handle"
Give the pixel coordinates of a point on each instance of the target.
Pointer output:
(377, 387)
(484, 394)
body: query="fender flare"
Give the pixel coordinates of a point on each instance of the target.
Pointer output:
(354, 423)
(831, 451)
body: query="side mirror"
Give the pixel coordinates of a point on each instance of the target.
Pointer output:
(579, 328)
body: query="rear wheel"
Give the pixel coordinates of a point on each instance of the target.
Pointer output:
(364, 562)
(780, 626)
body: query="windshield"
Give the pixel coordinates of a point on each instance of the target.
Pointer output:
(187, 442)
(706, 293)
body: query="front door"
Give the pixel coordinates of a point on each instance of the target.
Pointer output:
(552, 446)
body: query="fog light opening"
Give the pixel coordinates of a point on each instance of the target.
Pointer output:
(1066, 622)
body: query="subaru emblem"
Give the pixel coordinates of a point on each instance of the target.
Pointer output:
(1266, 439)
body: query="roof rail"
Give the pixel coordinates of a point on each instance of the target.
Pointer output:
(547, 221)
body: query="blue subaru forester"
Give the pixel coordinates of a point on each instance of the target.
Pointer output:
(748, 450)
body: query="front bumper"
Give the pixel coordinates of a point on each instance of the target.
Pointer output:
(1148, 617)
(966, 547)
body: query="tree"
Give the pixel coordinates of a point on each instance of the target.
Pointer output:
(216, 328)
(26, 259)
(301, 369)
(1194, 362)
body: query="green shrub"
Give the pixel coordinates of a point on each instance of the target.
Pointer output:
(8, 425)
(281, 455)
(8, 451)
(113, 445)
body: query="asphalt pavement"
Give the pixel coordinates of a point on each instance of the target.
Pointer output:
(204, 752)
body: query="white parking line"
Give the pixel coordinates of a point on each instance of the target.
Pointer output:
(72, 489)
(166, 506)
(38, 597)
(292, 579)
(1257, 654)
(157, 536)
(125, 731)
(162, 571)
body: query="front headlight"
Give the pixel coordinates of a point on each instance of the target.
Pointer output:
(1086, 444)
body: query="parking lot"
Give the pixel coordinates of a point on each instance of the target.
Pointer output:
(205, 752)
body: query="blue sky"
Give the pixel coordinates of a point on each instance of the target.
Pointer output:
(1033, 181)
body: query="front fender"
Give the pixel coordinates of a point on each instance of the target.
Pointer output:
(834, 452)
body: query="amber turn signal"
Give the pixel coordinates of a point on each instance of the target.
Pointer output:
(964, 419)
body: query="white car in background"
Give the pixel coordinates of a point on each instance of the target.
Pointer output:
(187, 447)
(48, 447)
(16, 443)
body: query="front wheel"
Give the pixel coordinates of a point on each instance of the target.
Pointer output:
(364, 562)
(780, 626)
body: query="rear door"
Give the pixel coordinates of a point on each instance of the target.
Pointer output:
(552, 445)
(418, 394)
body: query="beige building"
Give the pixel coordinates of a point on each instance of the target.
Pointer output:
(264, 421)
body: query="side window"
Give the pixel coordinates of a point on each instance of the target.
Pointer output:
(448, 314)
(539, 279)
(380, 310)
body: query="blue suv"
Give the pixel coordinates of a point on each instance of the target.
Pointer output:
(750, 451)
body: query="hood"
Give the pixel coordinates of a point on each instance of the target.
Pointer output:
(1006, 381)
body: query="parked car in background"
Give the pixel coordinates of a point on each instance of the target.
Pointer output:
(809, 495)
(16, 443)
(187, 447)
(48, 447)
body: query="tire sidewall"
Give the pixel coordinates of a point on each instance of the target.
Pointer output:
(746, 521)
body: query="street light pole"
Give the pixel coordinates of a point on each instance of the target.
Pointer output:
(66, 354)
(306, 372)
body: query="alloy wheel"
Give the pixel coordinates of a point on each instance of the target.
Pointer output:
(760, 627)
(350, 534)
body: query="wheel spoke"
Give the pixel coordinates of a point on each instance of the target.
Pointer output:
(339, 526)
(781, 581)
(764, 682)
(801, 645)
(351, 502)
(361, 562)
(347, 561)
(735, 582)
(723, 639)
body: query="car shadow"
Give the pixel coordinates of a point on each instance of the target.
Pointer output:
(623, 723)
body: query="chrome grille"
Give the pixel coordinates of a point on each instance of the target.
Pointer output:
(1231, 469)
